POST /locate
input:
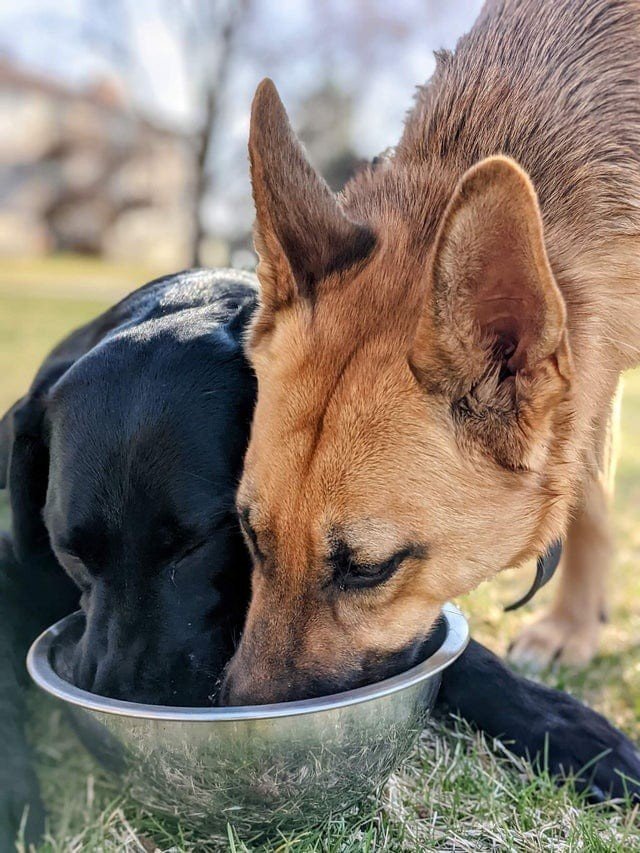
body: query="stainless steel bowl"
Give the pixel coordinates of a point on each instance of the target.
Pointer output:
(261, 767)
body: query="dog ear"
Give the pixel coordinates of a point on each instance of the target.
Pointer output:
(493, 334)
(6, 442)
(301, 232)
(27, 478)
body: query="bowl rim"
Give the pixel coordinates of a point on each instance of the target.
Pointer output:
(43, 674)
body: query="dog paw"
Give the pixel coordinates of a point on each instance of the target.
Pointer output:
(555, 639)
(582, 745)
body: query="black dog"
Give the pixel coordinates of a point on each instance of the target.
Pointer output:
(121, 464)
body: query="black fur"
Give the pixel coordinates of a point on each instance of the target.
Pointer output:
(123, 459)
(558, 733)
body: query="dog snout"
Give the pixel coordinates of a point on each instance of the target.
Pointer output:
(109, 662)
(245, 685)
(108, 682)
(114, 676)
(102, 676)
(83, 671)
(237, 690)
(230, 694)
(144, 672)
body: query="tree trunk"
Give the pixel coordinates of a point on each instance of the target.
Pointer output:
(214, 89)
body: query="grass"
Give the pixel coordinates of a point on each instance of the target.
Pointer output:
(457, 792)
(41, 300)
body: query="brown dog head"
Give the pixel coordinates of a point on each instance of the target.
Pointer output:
(410, 376)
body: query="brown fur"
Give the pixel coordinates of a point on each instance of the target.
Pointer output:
(437, 351)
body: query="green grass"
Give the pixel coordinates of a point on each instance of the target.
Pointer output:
(456, 793)
(41, 300)
(29, 327)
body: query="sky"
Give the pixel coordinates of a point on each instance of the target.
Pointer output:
(294, 41)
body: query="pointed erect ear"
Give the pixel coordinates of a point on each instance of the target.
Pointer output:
(301, 232)
(493, 333)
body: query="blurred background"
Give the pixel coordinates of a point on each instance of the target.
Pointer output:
(123, 134)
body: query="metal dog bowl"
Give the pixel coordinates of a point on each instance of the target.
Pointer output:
(261, 767)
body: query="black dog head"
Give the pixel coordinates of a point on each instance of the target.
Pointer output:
(127, 467)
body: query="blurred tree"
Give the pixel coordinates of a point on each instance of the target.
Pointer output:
(345, 71)
(324, 122)
(206, 32)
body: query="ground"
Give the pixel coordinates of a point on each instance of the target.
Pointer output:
(457, 793)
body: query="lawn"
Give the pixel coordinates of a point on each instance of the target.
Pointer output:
(42, 300)
(456, 793)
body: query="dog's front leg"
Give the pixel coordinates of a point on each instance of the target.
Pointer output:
(552, 729)
(569, 634)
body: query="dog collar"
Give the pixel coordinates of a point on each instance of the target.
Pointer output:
(546, 566)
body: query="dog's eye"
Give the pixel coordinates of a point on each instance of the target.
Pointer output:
(189, 551)
(348, 574)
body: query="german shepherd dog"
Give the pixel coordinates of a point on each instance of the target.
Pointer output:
(438, 348)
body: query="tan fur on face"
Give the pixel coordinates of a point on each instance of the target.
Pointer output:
(436, 349)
